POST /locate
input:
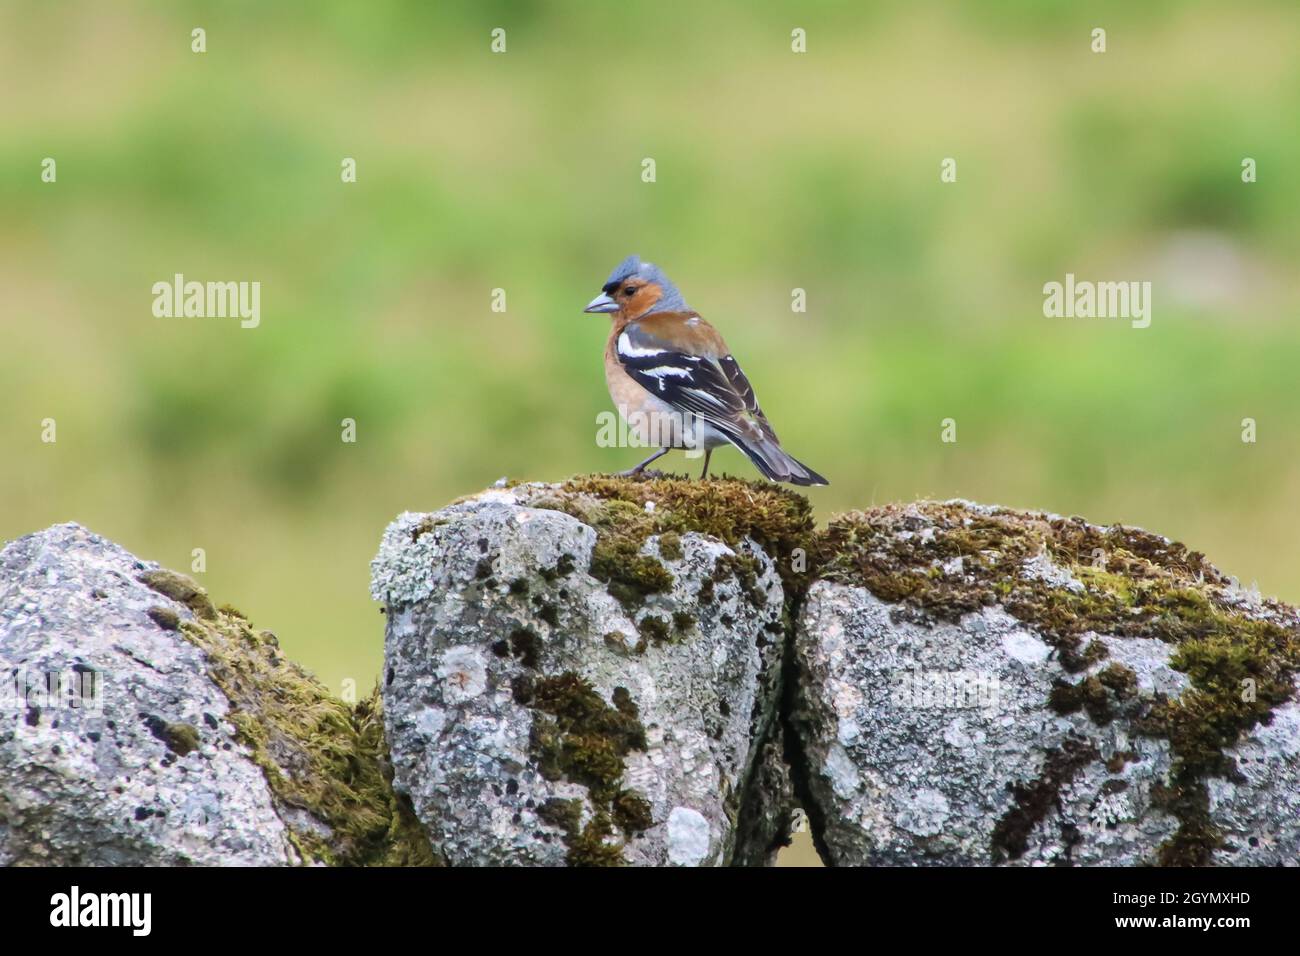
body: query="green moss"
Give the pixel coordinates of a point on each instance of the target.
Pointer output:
(1088, 694)
(1075, 658)
(180, 738)
(628, 575)
(404, 842)
(1103, 695)
(1033, 801)
(617, 641)
(655, 629)
(591, 847)
(165, 618)
(319, 755)
(565, 566)
(616, 559)
(1120, 680)
(1130, 584)
(183, 590)
(1197, 838)
(632, 811)
(670, 546)
(580, 738)
(523, 644)
(746, 569)
(563, 814)
(777, 519)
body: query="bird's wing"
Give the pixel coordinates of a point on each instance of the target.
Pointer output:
(682, 360)
(740, 383)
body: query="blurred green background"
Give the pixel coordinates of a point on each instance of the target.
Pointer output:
(523, 171)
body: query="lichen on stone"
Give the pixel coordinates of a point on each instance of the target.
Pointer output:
(1070, 581)
(400, 571)
(320, 756)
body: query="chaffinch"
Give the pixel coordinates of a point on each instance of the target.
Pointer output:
(674, 379)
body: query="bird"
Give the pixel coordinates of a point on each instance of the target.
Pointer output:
(675, 381)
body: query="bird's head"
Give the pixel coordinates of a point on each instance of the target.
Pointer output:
(637, 288)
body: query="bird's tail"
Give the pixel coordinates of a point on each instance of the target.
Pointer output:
(773, 461)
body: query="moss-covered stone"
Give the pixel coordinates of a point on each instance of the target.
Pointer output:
(591, 846)
(525, 645)
(777, 519)
(670, 546)
(319, 754)
(746, 569)
(580, 738)
(632, 811)
(1068, 579)
(180, 738)
(165, 618)
(655, 629)
(564, 566)
(1035, 800)
(183, 590)
(566, 814)
(1065, 579)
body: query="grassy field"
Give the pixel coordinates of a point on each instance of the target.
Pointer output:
(522, 171)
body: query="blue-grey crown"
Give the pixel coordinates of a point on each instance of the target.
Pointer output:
(671, 301)
(627, 267)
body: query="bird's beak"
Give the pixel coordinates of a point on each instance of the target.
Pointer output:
(602, 303)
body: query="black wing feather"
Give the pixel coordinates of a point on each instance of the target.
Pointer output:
(688, 383)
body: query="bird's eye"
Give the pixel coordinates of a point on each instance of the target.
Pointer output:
(629, 289)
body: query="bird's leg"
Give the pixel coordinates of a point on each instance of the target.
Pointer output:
(708, 452)
(641, 467)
